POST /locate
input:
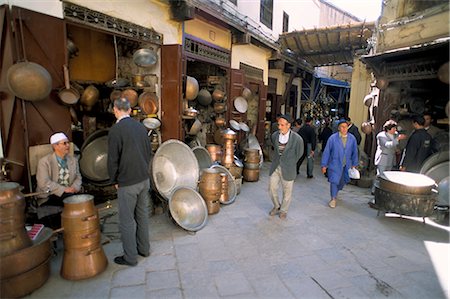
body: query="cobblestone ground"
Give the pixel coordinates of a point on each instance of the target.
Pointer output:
(242, 252)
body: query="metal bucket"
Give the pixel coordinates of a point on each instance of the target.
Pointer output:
(250, 175)
(251, 155)
(210, 184)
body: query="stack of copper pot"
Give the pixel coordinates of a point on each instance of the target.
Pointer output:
(236, 171)
(251, 165)
(83, 253)
(229, 137)
(210, 188)
(25, 265)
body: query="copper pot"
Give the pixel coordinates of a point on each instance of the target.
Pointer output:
(219, 107)
(139, 81)
(235, 170)
(204, 97)
(210, 184)
(83, 263)
(366, 127)
(224, 195)
(26, 259)
(250, 175)
(79, 206)
(12, 210)
(251, 165)
(82, 239)
(191, 88)
(218, 95)
(115, 95)
(89, 97)
(148, 102)
(12, 223)
(131, 95)
(68, 94)
(251, 155)
(14, 240)
(213, 207)
(190, 112)
(229, 134)
(83, 223)
(219, 121)
(27, 282)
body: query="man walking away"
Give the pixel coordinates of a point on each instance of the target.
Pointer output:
(308, 134)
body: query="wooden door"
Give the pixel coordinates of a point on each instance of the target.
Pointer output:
(171, 92)
(237, 78)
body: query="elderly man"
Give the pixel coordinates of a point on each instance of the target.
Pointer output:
(58, 172)
(288, 148)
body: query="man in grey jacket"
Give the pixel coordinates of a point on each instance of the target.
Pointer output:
(288, 148)
(387, 142)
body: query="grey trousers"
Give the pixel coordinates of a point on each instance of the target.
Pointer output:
(133, 219)
(380, 170)
(275, 179)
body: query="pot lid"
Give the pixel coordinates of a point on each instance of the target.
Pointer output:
(244, 127)
(228, 131)
(240, 104)
(408, 179)
(235, 125)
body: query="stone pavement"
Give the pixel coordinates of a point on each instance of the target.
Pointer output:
(317, 252)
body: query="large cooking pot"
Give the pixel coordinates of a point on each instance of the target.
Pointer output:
(188, 209)
(94, 158)
(148, 102)
(29, 81)
(79, 206)
(210, 184)
(14, 240)
(25, 259)
(406, 182)
(89, 97)
(83, 263)
(416, 205)
(82, 239)
(174, 165)
(26, 282)
(145, 57)
(204, 97)
(191, 88)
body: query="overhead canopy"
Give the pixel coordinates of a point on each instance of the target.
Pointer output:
(329, 45)
(333, 82)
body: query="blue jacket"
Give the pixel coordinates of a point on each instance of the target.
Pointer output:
(333, 156)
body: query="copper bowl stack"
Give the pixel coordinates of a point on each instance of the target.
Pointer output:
(83, 253)
(25, 265)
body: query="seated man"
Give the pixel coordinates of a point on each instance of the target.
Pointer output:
(58, 173)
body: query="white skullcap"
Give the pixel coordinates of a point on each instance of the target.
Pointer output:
(57, 137)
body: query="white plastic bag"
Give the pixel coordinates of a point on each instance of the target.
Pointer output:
(353, 173)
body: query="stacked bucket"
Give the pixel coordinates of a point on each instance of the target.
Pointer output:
(83, 253)
(251, 165)
(25, 265)
(210, 188)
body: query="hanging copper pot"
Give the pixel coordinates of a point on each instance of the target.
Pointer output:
(191, 88)
(148, 102)
(115, 94)
(219, 121)
(219, 107)
(366, 127)
(68, 94)
(204, 97)
(218, 95)
(131, 95)
(89, 97)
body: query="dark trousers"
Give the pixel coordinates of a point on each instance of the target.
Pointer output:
(310, 160)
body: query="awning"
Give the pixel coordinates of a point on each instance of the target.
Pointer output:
(333, 82)
(329, 45)
(411, 63)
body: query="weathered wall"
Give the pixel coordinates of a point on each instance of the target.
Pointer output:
(209, 33)
(251, 55)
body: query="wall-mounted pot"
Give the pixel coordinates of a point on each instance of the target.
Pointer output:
(131, 95)
(89, 97)
(218, 95)
(68, 94)
(204, 97)
(29, 81)
(219, 107)
(219, 121)
(145, 57)
(191, 88)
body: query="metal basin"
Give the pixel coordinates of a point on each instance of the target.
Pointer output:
(203, 157)
(188, 209)
(174, 165)
(406, 182)
(94, 157)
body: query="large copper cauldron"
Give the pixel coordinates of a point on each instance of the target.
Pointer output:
(13, 235)
(406, 182)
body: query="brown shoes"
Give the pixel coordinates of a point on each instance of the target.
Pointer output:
(283, 215)
(274, 211)
(332, 203)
